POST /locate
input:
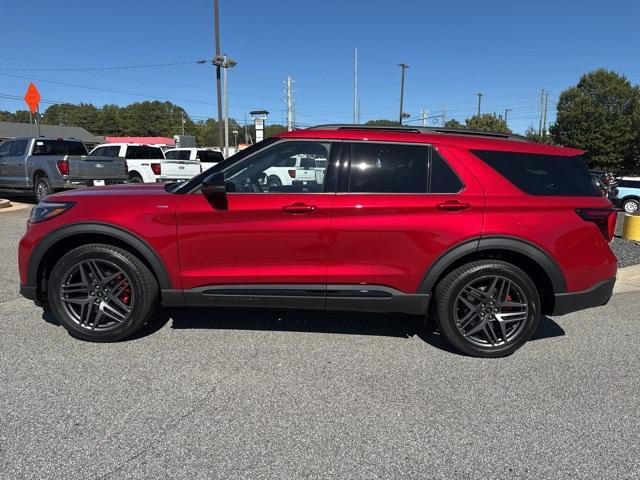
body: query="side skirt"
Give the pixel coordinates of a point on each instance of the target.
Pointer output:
(359, 298)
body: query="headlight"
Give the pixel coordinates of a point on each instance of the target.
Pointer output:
(48, 210)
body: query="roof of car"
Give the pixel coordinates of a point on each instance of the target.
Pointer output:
(456, 138)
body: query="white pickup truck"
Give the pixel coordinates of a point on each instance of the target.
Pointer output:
(147, 164)
(206, 156)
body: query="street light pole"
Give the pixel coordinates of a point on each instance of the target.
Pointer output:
(480, 95)
(403, 67)
(506, 111)
(218, 86)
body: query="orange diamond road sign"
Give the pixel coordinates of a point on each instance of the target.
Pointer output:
(32, 97)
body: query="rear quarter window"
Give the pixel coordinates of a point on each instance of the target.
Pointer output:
(538, 174)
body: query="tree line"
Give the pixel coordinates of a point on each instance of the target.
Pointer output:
(163, 119)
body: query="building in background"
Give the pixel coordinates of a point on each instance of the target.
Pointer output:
(10, 130)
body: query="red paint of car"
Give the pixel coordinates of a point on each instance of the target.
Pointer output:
(326, 239)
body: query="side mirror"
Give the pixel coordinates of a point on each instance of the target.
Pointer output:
(214, 189)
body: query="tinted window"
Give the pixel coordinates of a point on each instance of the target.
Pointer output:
(306, 162)
(98, 151)
(59, 147)
(443, 178)
(171, 155)
(388, 168)
(18, 148)
(209, 156)
(143, 152)
(537, 174)
(5, 148)
(184, 154)
(113, 151)
(629, 183)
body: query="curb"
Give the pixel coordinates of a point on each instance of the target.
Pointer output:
(628, 280)
(6, 206)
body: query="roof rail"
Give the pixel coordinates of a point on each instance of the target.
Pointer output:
(409, 129)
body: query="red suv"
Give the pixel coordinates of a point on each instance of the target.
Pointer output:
(486, 232)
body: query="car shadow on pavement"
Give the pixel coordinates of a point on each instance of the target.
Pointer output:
(349, 323)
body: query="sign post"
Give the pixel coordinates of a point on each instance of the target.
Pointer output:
(32, 97)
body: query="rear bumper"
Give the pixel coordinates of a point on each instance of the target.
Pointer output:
(595, 296)
(82, 183)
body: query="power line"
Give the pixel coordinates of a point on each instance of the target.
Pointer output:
(120, 67)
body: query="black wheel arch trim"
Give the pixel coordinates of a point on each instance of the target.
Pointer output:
(109, 230)
(479, 244)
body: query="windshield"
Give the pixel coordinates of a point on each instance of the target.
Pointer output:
(195, 182)
(58, 147)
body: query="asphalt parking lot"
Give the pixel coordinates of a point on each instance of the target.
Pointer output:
(225, 394)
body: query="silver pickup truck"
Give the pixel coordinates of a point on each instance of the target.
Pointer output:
(45, 165)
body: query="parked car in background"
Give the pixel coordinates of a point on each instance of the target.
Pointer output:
(485, 232)
(207, 157)
(46, 165)
(147, 163)
(627, 194)
(296, 170)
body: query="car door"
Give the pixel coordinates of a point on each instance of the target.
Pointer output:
(5, 148)
(268, 242)
(14, 168)
(398, 207)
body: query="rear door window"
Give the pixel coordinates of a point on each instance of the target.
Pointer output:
(18, 148)
(539, 174)
(59, 147)
(209, 156)
(143, 152)
(629, 183)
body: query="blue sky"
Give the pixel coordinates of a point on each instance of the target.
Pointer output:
(508, 50)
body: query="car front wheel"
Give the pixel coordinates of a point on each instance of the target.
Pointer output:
(487, 308)
(101, 293)
(631, 205)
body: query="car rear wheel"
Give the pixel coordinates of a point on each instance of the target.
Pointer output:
(487, 308)
(41, 188)
(101, 293)
(631, 205)
(135, 179)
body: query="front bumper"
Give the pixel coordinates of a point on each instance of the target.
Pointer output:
(595, 296)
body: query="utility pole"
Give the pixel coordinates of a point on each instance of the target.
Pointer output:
(356, 119)
(424, 113)
(182, 121)
(480, 95)
(403, 67)
(216, 23)
(290, 121)
(444, 114)
(544, 116)
(246, 136)
(506, 112)
(226, 109)
(541, 112)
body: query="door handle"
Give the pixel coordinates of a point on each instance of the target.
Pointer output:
(298, 208)
(452, 206)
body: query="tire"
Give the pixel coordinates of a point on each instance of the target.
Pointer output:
(41, 188)
(631, 205)
(483, 333)
(273, 182)
(126, 301)
(135, 179)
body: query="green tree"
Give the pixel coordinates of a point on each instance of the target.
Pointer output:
(453, 123)
(383, 123)
(487, 122)
(601, 114)
(532, 134)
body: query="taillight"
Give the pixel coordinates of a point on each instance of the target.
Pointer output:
(292, 173)
(63, 166)
(155, 167)
(604, 218)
